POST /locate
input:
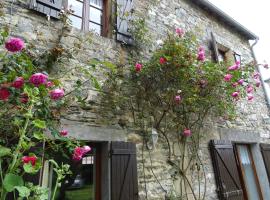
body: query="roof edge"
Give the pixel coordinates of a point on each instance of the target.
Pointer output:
(226, 18)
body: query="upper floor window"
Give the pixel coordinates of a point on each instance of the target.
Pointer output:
(88, 15)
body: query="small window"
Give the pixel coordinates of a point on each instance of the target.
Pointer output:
(221, 55)
(248, 172)
(88, 15)
(237, 57)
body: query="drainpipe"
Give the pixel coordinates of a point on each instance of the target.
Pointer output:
(264, 84)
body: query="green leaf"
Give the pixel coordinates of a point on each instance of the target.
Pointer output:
(39, 123)
(23, 191)
(11, 181)
(4, 151)
(38, 135)
(30, 169)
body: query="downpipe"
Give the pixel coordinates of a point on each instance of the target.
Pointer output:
(264, 84)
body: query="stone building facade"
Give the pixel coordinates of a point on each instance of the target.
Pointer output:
(250, 127)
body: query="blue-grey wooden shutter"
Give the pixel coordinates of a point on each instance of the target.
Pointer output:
(124, 15)
(47, 7)
(124, 180)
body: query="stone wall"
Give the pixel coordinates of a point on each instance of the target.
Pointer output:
(252, 123)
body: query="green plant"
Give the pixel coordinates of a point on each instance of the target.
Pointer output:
(31, 103)
(175, 92)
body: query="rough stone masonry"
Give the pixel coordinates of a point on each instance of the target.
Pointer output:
(251, 125)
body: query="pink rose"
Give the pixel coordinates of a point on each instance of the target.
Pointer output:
(31, 159)
(57, 94)
(180, 32)
(138, 67)
(18, 83)
(250, 97)
(235, 84)
(162, 60)
(79, 152)
(86, 149)
(177, 99)
(235, 94)
(249, 89)
(63, 133)
(4, 94)
(38, 79)
(201, 54)
(241, 81)
(187, 132)
(258, 83)
(256, 75)
(49, 84)
(14, 45)
(236, 66)
(228, 77)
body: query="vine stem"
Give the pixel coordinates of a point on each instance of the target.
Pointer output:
(16, 152)
(55, 188)
(22, 135)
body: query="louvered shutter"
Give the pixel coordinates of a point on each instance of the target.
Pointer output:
(124, 15)
(47, 7)
(226, 171)
(124, 181)
(214, 47)
(265, 148)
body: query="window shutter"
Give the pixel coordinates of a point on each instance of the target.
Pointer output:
(226, 171)
(124, 15)
(124, 181)
(47, 7)
(265, 148)
(214, 47)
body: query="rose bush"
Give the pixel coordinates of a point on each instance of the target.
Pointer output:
(174, 91)
(29, 101)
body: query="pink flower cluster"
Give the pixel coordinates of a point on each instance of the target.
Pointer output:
(64, 133)
(18, 83)
(57, 94)
(201, 54)
(138, 67)
(79, 152)
(38, 79)
(162, 60)
(180, 32)
(4, 94)
(187, 132)
(177, 99)
(31, 159)
(249, 88)
(14, 45)
(234, 67)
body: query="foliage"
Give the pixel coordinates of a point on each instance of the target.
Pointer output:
(174, 92)
(31, 103)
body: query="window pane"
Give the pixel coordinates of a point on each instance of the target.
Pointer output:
(95, 28)
(249, 176)
(76, 21)
(97, 3)
(76, 6)
(95, 15)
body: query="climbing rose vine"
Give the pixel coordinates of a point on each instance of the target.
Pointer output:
(176, 91)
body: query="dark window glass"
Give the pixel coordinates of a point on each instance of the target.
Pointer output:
(81, 184)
